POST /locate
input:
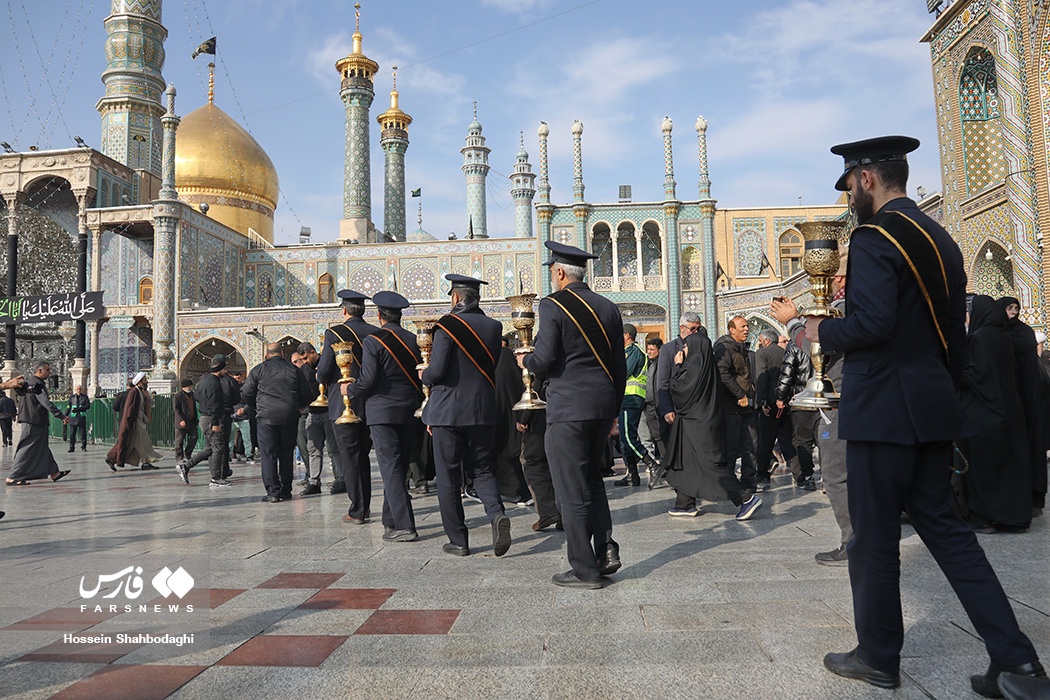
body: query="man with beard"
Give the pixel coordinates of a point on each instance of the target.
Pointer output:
(461, 413)
(737, 393)
(352, 438)
(577, 350)
(1026, 367)
(903, 338)
(212, 403)
(184, 405)
(33, 458)
(390, 387)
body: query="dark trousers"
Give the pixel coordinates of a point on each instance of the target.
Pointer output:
(804, 424)
(185, 441)
(214, 450)
(884, 479)
(538, 471)
(656, 432)
(277, 454)
(770, 429)
(631, 446)
(354, 445)
(741, 436)
(227, 430)
(5, 427)
(463, 451)
(393, 445)
(574, 451)
(73, 430)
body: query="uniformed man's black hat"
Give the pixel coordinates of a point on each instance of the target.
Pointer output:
(462, 281)
(390, 300)
(351, 295)
(876, 150)
(567, 254)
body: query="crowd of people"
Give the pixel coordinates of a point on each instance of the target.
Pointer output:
(937, 390)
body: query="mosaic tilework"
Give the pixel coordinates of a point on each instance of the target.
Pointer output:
(626, 252)
(357, 194)
(750, 241)
(692, 268)
(366, 279)
(418, 281)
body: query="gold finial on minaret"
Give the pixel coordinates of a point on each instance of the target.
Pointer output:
(393, 91)
(357, 29)
(211, 83)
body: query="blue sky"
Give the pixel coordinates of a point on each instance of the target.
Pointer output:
(779, 83)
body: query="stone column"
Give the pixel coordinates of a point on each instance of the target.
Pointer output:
(673, 278)
(165, 224)
(79, 370)
(10, 344)
(96, 284)
(544, 209)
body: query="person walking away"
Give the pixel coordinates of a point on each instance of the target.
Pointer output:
(133, 444)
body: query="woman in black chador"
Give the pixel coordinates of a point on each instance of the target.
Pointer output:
(999, 483)
(1026, 358)
(696, 451)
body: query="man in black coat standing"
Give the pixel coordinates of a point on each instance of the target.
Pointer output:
(737, 395)
(277, 392)
(184, 405)
(903, 337)
(79, 404)
(352, 439)
(578, 351)
(213, 412)
(391, 389)
(461, 413)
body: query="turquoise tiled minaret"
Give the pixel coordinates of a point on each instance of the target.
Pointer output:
(544, 208)
(131, 107)
(523, 189)
(671, 209)
(707, 228)
(579, 206)
(476, 168)
(356, 91)
(394, 140)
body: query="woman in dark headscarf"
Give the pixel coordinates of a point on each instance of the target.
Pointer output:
(696, 450)
(1026, 362)
(998, 485)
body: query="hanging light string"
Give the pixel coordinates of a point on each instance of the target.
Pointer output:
(46, 68)
(70, 63)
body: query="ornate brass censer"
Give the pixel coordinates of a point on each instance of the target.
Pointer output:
(425, 340)
(820, 259)
(523, 318)
(344, 359)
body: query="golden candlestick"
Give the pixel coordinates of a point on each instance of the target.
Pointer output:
(523, 318)
(425, 340)
(344, 359)
(321, 401)
(821, 261)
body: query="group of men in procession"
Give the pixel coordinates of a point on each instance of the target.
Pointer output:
(900, 356)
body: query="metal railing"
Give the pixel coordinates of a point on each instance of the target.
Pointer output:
(102, 422)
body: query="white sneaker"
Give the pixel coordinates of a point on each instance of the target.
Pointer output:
(218, 483)
(183, 472)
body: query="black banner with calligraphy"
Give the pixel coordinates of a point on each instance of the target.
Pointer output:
(52, 308)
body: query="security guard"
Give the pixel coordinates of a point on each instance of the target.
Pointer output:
(390, 387)
(352, 438)
(461, 412)
(904, 337)
(631, 409)
(576, 350)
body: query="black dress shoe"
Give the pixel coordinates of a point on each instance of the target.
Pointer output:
(148, 467)
(1016, 687)
(449, 548)
(611, 564)
(569, 580)
(500, 535)
(628, 480)
(337, 487)
(850, 665)
(544, 523)
(310, 490)
(392, 535)
(988, 684)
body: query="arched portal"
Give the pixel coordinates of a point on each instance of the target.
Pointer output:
(195, 361)
(992, 272)
(289, 345)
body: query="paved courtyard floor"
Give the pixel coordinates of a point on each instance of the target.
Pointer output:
(290, 602)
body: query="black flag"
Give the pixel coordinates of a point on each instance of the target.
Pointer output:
(207, 47)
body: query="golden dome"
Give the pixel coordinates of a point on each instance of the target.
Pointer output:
(219, 163)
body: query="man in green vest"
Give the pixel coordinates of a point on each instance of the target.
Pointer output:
(631, 409)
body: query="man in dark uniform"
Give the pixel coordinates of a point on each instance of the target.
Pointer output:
(461, 413)
(351, 438)
(79, 404)
(578, 351)
(903, 337)
(390, 387)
